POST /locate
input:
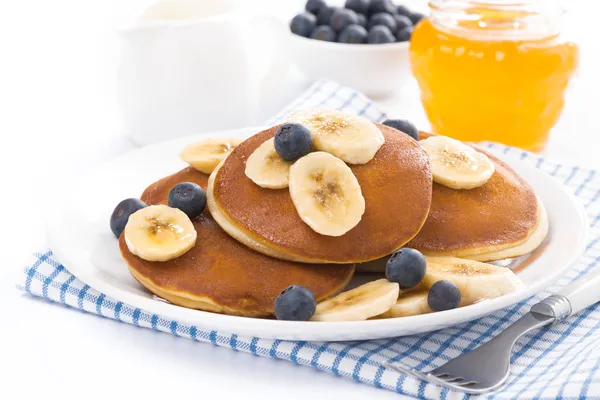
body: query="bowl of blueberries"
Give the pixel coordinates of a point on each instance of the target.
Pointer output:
(363, 44)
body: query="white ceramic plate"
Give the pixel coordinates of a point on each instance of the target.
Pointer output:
(79, 234)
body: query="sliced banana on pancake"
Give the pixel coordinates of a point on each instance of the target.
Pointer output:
(456, 165)
(204, 156)
(326, 194)
(366, 301)
(266, 168)
(351, 138)
(412, 303)
(159, 233)
(475, 280)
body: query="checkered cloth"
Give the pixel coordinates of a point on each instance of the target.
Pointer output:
(560, 362)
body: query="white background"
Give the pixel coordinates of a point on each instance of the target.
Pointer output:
(59, 114)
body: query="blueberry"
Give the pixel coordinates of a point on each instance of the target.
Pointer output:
(354, 34)
(325, 14)
(358, 6)
(121, 214)
(416, 17)
(402, 10)
(296, 303)
(402, 21)
(342, 18)
(380, 34)
(384, 19)
(292, 141)
(377, 6)
(443, 295)
(314, 6)
(404, 34)
(403, 125)
(188, 197)
(325, 33)
(362, 20)
(407, 267)
(303, 24)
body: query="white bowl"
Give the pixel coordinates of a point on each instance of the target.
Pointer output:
(377, 70)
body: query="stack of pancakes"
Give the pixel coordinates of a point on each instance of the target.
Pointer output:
(252, 244)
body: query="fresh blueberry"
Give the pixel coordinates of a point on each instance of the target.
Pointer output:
(402, 10)
(325, 33)
(296, 303)
(380, 34)
(353, 34)
(402, 21)
(403, 125)
(384, 19)
(377, 6)
(342, 18)
(303, 24)
(362, 20)
(443, 295)
(293, 141)
(358, 6)
(188, 197)
(325, 14)
(406, 267)
(404, 34)
(121, 214)
(314, 6)
(416, 17)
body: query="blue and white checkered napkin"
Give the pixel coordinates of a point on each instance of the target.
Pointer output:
(560, 362)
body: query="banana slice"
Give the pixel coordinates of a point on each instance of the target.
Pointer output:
(366, 301)
(159, 233)
(476, 280)
(266, 168)
(207, 154)
(413, 303)
(456, 165)
(326, 194)
(349, 137)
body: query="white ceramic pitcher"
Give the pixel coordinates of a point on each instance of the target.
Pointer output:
(189, 66)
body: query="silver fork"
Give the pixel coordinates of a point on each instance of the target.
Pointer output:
(487, 368)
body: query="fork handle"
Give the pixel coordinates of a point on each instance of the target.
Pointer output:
(583, 292)
(573, 298)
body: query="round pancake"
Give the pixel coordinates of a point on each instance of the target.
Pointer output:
(482, 223)
(526, 247)
(222, 275)
(530, 244)
(396, 185)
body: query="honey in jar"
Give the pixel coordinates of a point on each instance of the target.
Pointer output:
(491, 70)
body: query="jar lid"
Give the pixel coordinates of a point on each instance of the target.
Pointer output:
(497, 19)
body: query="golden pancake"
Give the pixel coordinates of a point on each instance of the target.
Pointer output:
(501, 219)
(533, 242)
(222, 275)
(396, 185)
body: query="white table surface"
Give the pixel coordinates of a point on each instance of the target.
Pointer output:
(58, 95)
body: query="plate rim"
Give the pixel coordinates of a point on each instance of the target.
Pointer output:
(187, 315)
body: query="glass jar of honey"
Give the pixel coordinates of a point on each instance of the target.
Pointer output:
(493, 70)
